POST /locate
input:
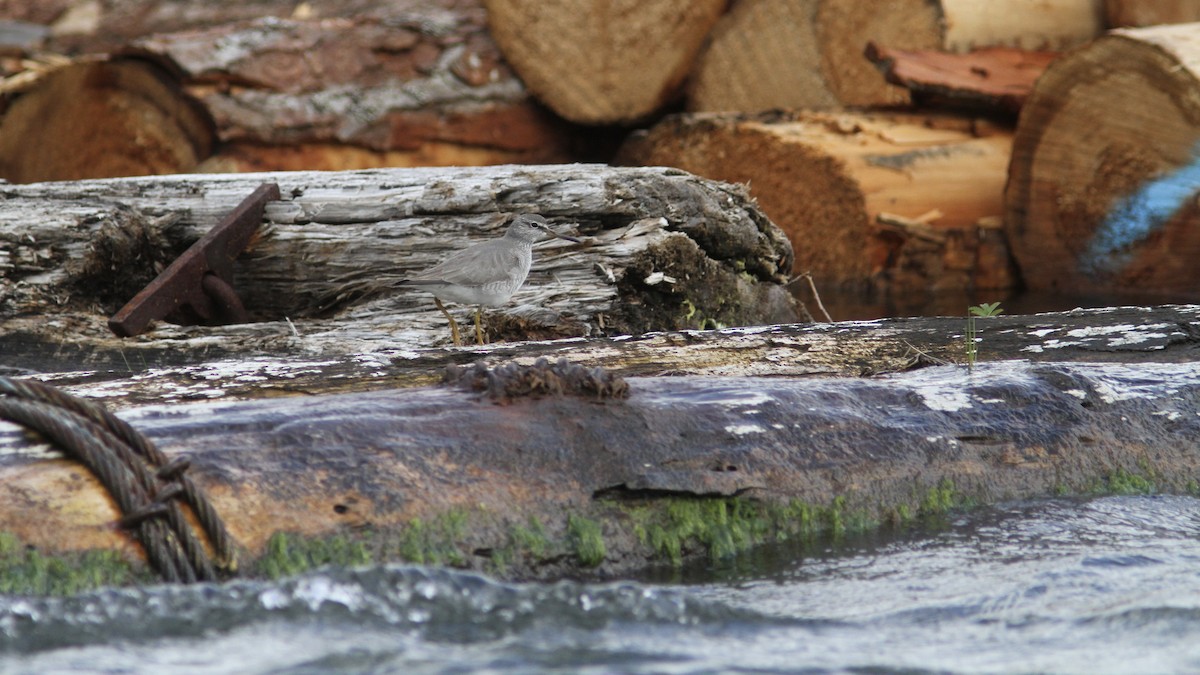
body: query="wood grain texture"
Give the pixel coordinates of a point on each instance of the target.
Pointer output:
(603, 61)
(1046, 25)
(1134, 14)
(104, 26)
(332, 94)
(809, 53)
(102, 118)
(361, 85)
(825, 177)
(1101, 188)
(761, 55)
(998, 79)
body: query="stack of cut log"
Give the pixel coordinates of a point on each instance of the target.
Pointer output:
(893, 179)
(911, 201)
(322, 85)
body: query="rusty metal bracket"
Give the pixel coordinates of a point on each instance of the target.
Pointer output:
(197, 288)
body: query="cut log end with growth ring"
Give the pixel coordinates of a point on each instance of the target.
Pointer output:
(1103, 185)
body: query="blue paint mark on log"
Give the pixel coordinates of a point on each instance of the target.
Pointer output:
(1138, 216)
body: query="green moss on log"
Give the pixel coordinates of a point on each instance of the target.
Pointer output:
(527, 542)
(587, 540)
(675, 527)
(27, 571)
(701, 293)
(1122, 482)
(437, 541)
(668, 529)
(290, 554)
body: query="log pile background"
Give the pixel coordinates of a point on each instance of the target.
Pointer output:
(98, 89)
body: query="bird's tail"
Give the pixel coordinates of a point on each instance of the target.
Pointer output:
(350, 291)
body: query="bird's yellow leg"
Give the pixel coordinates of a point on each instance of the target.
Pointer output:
(453, 326)
(478, 327)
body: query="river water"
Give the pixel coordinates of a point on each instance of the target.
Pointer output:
(1107, 585)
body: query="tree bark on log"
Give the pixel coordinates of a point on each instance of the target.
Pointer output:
(826, 178)
(360, 93)
(417, 88)
(662, 250)
(1101, 188)
(822, 43)
(104, 26)
(601, 62)
(991, 79)
(1135, 13)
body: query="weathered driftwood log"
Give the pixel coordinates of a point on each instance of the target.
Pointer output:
(847, 349)
(662, 250)
(1134, 13)
(992, 78)
(600, 62)
(602, 482)
(1102, 188)
(826, 179)
(97, 118)
(809, 53)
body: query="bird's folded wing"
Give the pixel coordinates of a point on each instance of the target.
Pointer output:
(473, 267)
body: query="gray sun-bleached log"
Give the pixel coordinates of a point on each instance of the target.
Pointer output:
(1166, 334)
(662, 250)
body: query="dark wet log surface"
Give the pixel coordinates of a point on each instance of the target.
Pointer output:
(386, 459)
(277, 452)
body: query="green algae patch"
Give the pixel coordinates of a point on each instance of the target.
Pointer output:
(723, 527)
(673, 528)
(530, 538)
(525, 542)
(27, 571)
(840, 520)
(460, 538)
(938, 501)
(586, 538)
(1122, 482)
(291, 554)
(437, 541)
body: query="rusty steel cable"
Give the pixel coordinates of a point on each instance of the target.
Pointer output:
(134, 471)
(206, 514)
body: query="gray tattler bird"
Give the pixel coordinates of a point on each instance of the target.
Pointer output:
(487, 273)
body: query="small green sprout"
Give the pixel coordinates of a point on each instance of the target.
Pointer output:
(984, 310)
